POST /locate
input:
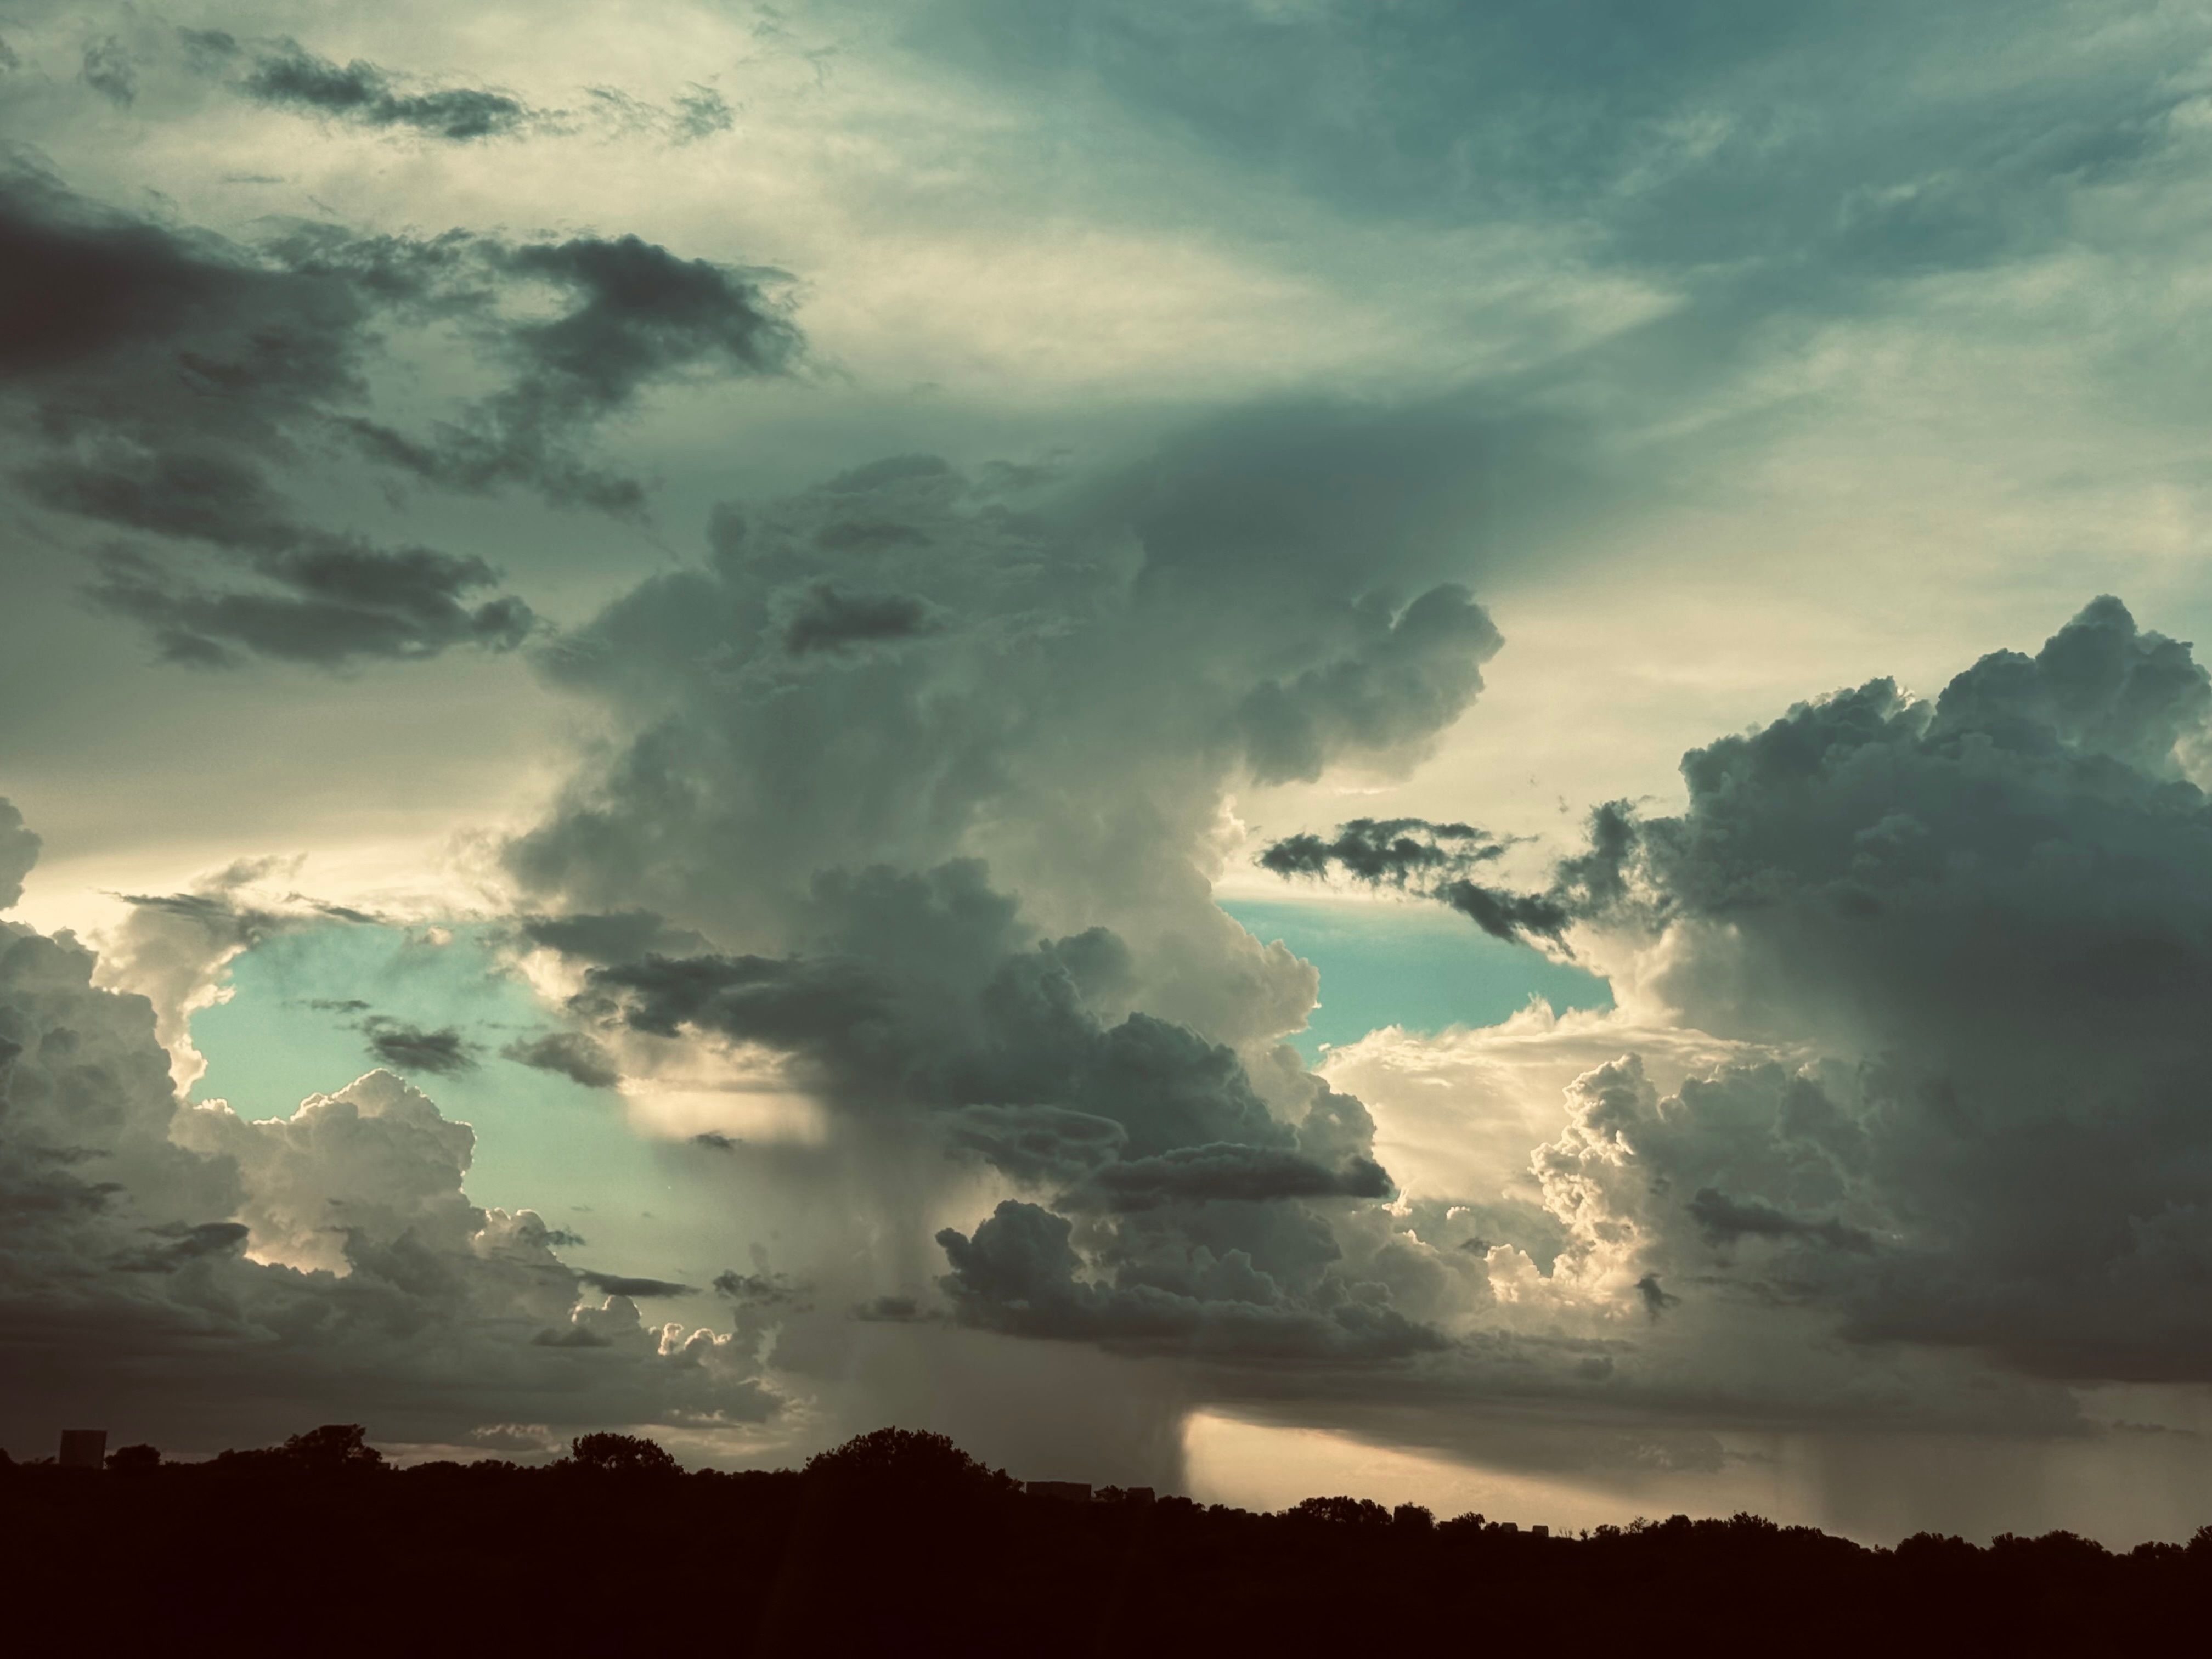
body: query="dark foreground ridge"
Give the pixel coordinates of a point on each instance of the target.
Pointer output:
(900, 1543)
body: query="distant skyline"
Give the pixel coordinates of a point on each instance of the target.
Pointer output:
(1258, 747)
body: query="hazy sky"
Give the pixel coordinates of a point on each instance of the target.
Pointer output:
(1256, 744)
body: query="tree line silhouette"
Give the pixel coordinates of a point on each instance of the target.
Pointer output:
(900, 1540)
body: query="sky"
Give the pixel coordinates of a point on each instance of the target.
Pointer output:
(1257, 746)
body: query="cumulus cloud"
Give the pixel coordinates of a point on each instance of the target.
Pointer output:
(324, 1264)
(175, 948)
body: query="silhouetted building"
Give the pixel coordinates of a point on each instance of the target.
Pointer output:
(1073, 1491)
(83, 1449)
(1539, 1532)
(1509, 1526)
(1138, 1495)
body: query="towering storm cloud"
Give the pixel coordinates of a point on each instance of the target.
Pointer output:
(942, 770)
(1987, 913)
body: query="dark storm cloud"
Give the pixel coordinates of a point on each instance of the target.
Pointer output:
(618, 1284)
(1157, 1135)
(443, 1052)
(1724, 1220)
(758, 1289)
(571, 1053)
(329, 605)
(187, 1244)
(1997, 909)
(285, 73)
(637, 314)
(1096, 668)
(1197, 1175)
(281, 73)
(621, 937)
(1411, 854)
(1385, 851)
(108, 71)
(1018, 1274)
(829, 618)
(165, 380)
(1045, 1145)
(19, 852)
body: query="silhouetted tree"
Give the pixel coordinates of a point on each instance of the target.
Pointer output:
(622, 1454)
(332, 1447)
(907, 1460)
(1343, 1512)
(134, 1460)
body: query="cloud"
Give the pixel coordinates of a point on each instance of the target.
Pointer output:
(329, 603)
(108, 71)
(163, 379)
(1411, 854)
(617, 1284)
(443, 1052)
(1984, 919)
(1018, 1273)
(618, 937)
(322, 1265)
(176, 949)
(1075, 686)
(19, 852)
(829, 618)
(1238, 1173)
(1389, 852)
(571, 1053)
(285, 73)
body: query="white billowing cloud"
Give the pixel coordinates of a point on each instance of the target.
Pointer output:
(363, 1167)
(1458, 1113)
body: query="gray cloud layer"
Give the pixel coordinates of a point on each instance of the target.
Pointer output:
(162, 380)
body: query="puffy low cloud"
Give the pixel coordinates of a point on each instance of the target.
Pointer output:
(326, 1264)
